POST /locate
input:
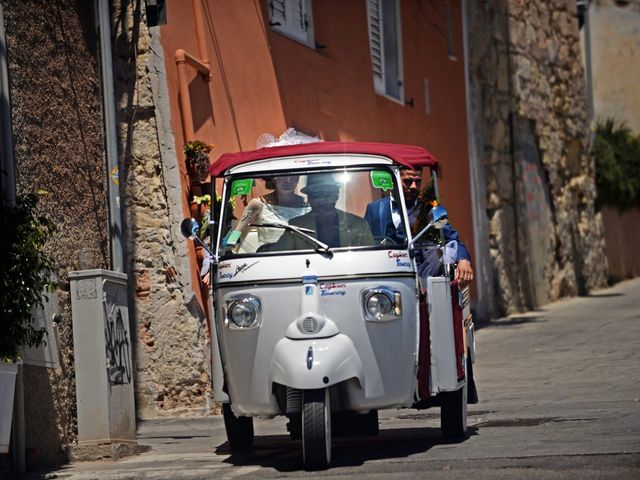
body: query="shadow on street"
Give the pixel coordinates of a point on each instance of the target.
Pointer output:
(285, 455)
(510, 321)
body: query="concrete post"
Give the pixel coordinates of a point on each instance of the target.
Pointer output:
(8, 373)
(102, 350)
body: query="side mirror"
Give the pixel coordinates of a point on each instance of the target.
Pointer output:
(189, 227)
(438, 218)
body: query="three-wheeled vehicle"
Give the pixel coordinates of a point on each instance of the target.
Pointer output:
(319, 316)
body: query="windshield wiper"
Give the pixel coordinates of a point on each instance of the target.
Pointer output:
(302, 232)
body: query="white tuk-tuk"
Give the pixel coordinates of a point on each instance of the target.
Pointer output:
(318, 314)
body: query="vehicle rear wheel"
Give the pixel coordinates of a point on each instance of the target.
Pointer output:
(453, 414)
(316, 428)
(239, 429)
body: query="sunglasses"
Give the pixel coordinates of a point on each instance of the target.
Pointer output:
(408, 181)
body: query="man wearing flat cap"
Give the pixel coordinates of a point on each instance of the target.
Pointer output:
(332, 226)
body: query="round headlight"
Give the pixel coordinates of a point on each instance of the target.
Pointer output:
(243, 313)
(379, 305)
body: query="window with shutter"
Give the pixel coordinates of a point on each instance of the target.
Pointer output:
(375, 41)
(277, 15)
(386, 48)
(294, 19)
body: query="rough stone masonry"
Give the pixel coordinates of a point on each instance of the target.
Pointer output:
(532, 135)
(171, 350)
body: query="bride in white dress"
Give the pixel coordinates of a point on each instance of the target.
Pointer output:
(278, 206)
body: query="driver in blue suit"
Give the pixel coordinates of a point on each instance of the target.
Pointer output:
(385, 221)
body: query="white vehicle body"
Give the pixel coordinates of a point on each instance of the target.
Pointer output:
(313, 331)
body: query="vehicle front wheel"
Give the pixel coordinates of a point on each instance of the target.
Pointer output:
(239, 429)
(453, 414)
(316, 428)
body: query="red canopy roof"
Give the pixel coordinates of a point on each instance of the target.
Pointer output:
(406, 155)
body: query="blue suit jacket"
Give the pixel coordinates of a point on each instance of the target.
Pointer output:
(378, 215)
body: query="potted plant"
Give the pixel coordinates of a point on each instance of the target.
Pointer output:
(202, 211)
(25, 272)
(197, 159)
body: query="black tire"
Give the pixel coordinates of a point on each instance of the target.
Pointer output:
(316, 428)
(239, 429)
(453, 414)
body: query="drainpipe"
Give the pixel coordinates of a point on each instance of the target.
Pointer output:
(200, 36)
(7, 167)
(200, 63)
(182, 60)
(111, 139)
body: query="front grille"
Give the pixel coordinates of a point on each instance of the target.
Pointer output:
(309, 325)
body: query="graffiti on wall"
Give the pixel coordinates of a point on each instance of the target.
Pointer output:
(537, 213)
(118, 349)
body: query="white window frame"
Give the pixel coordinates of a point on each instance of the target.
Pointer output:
(381, 45)
(293, 19)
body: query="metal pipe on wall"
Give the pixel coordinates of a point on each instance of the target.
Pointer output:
(182, 60)
(7, 166)
(185, 99)
(201, 64)
(111, 139)
(199, 24)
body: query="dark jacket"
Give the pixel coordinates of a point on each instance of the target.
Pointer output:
(352, 231)
(378, 216)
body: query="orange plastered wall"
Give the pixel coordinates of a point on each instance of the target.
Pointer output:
(264, 82)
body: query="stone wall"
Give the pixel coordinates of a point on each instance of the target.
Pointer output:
(58, 143)
(172, 349)
(532, 134)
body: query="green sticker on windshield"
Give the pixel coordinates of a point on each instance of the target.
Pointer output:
(241, 187)
(382, 179)
(233, 237)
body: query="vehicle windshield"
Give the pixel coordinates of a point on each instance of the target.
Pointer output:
(315, 210)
